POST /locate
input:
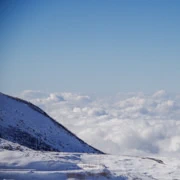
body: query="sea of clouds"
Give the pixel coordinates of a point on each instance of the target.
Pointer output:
(124, 123)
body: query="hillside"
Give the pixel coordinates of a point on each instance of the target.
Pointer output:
(24, 123)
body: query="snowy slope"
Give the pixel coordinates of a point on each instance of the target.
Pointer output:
(28, 125)
(32, 164)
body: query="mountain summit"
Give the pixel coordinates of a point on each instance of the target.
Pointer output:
(28, 125)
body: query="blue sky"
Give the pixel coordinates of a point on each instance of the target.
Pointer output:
(90, 46)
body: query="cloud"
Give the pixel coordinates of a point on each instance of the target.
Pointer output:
(132, 123)
(175, 144)
(55, 98)
(159, 94)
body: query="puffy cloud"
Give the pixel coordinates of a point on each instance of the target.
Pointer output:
(132, 123)
(55, 98)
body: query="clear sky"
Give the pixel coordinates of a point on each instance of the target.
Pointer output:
(103, 46)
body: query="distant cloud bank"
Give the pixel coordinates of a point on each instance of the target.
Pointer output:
(132, 123)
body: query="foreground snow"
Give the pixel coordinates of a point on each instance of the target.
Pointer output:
(30, 164)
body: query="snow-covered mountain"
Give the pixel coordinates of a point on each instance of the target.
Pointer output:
(24, 123)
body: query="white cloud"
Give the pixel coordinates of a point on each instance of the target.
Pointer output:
(55, 98)
(160, 94)
(175, 144)
(133, 123)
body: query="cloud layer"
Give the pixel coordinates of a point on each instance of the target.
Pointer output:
(132, 123)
